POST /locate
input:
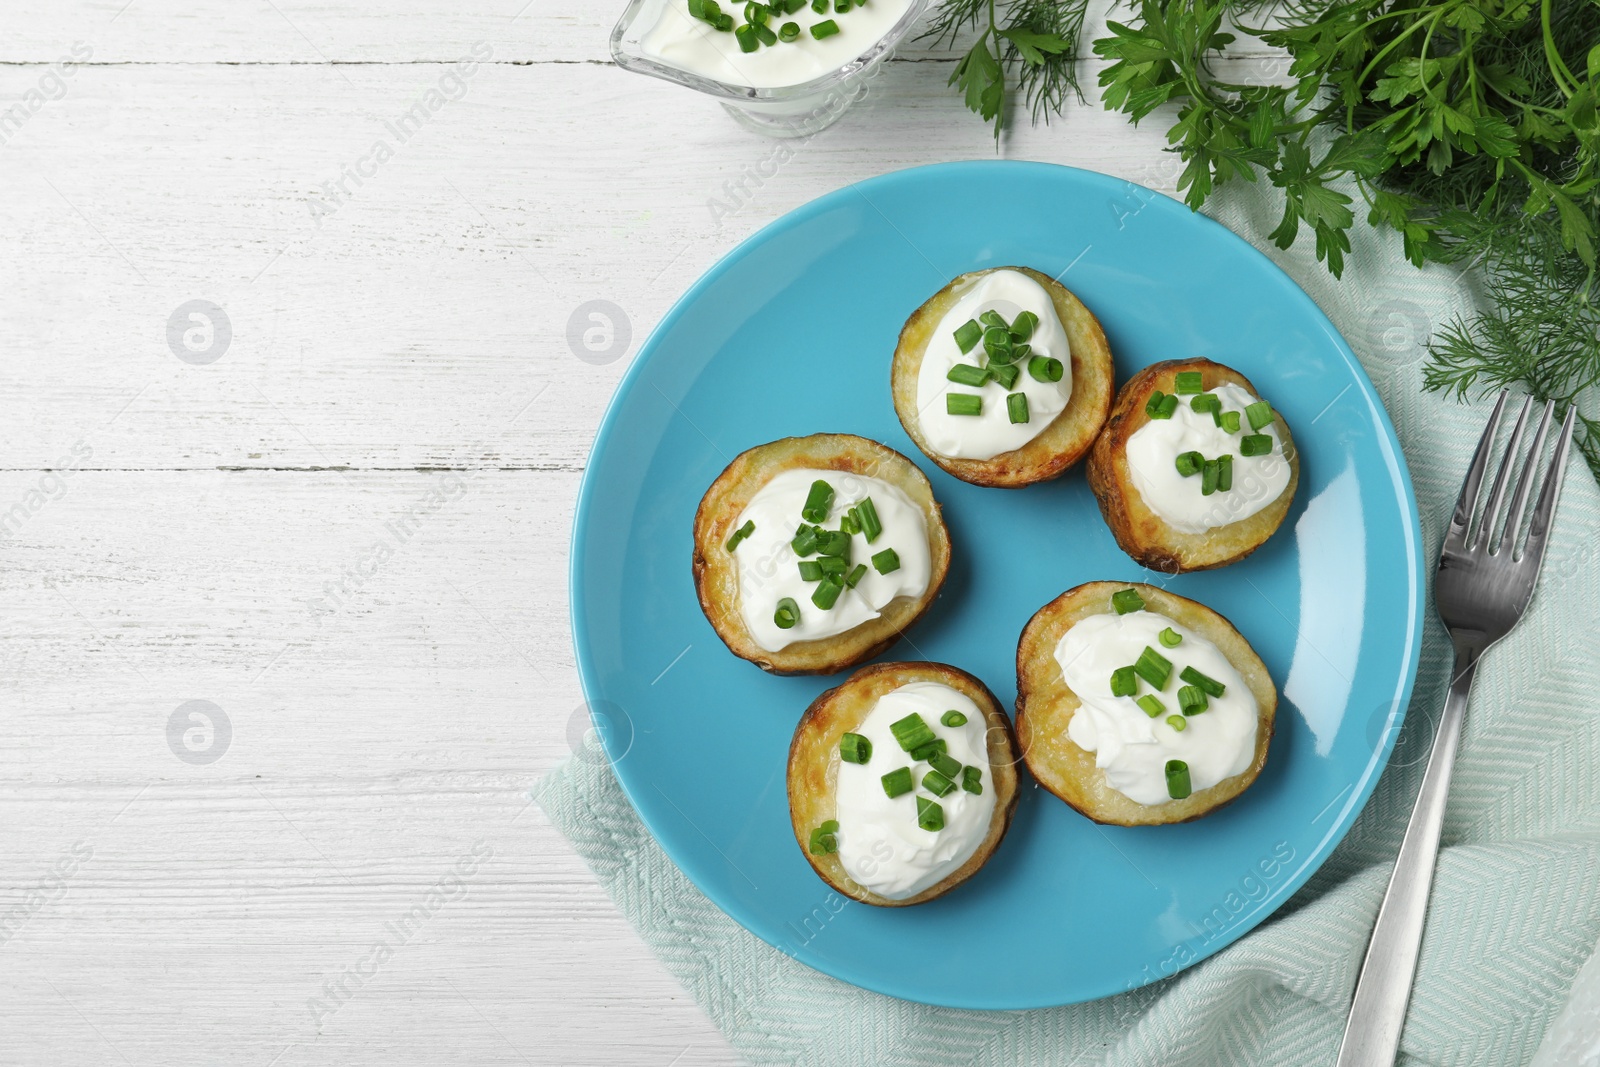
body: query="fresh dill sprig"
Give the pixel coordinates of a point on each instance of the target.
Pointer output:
(1035, 39)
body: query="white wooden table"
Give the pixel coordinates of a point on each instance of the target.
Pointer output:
(336, 504)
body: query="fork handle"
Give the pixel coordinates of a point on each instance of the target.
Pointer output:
(1378, 1011)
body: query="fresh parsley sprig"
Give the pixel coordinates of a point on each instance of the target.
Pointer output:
(1036, 39)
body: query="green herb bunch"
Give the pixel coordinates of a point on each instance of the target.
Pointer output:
(1036, 39)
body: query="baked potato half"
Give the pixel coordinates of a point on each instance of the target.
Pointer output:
(1068, 437)
(1046, 705)
(814, 765)
(1140, 532)
(716, 570)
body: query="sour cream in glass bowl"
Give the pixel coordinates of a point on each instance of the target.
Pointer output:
(807, 66)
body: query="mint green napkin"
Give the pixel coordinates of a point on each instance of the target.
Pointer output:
(1516, 903)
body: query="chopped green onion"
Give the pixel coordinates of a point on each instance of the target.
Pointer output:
(994, 320)
(855, 576)
(930, 816)
(1212, 687)
(997, 345)
(764, 32)
(963, 404)
(911, 731)
(755, 13)
(805, 540)
(1004, 373)
(741, 533)
(791, 6)
(819, 501)
(724, 22)
(823, 841)
(953, 718)
(967, 374)
(1170, 638)
(968, 334)
(830, 826)
(826, 593)
(938, 784)
(831, 566)
(1178, 723)
(1230, 421)
(789, 31)
(697, 9)
(1208, 477)
(819, 6)
(1187, 382)
(1206, 402)
(1124, 682)
(1023, 325)
(833, 543)
(887, 561)
(1259, 414)
(810, 570)
(746, 36)
(1189, 463)
(1169, 404)
(945, 764)
(898, 783)
(787, 614)
(1153, 667)
(1152, 407)
(972, 779)
(853, 748)
(825, 29)
(1224, 473)
(841, 6)
(1045, 369)
(1192, 700)
(870, 526)
(1152, 705)
(849, 523)
(930, 749)
(1255, 444)
(1126, 600)
(1177, 779)
(1017, 407)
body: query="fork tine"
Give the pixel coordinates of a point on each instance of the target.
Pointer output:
(1545, 510)
(1519, 501)
(1502, 479)
(1468, 500)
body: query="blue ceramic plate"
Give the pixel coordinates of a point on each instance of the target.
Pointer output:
(792, 334)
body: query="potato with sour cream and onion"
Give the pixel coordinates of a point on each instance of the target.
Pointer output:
(902, 782)
(812, 554)
(1139, 707)
(1193, 470)
(1003, 377)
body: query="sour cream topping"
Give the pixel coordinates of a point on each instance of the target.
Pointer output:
(1177, 499)
(680, 40)
(769, 568)
(1130, 746)
(987, 435)
(880, 843)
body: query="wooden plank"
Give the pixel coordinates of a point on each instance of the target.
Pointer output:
(412, 322)
(323, 31)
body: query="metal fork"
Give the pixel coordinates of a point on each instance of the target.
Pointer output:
(1482, 587)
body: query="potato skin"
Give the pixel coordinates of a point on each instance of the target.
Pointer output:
(1045, 705)
(1140, 532)
(1067, 438)
(716, 574)
(814, 767)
